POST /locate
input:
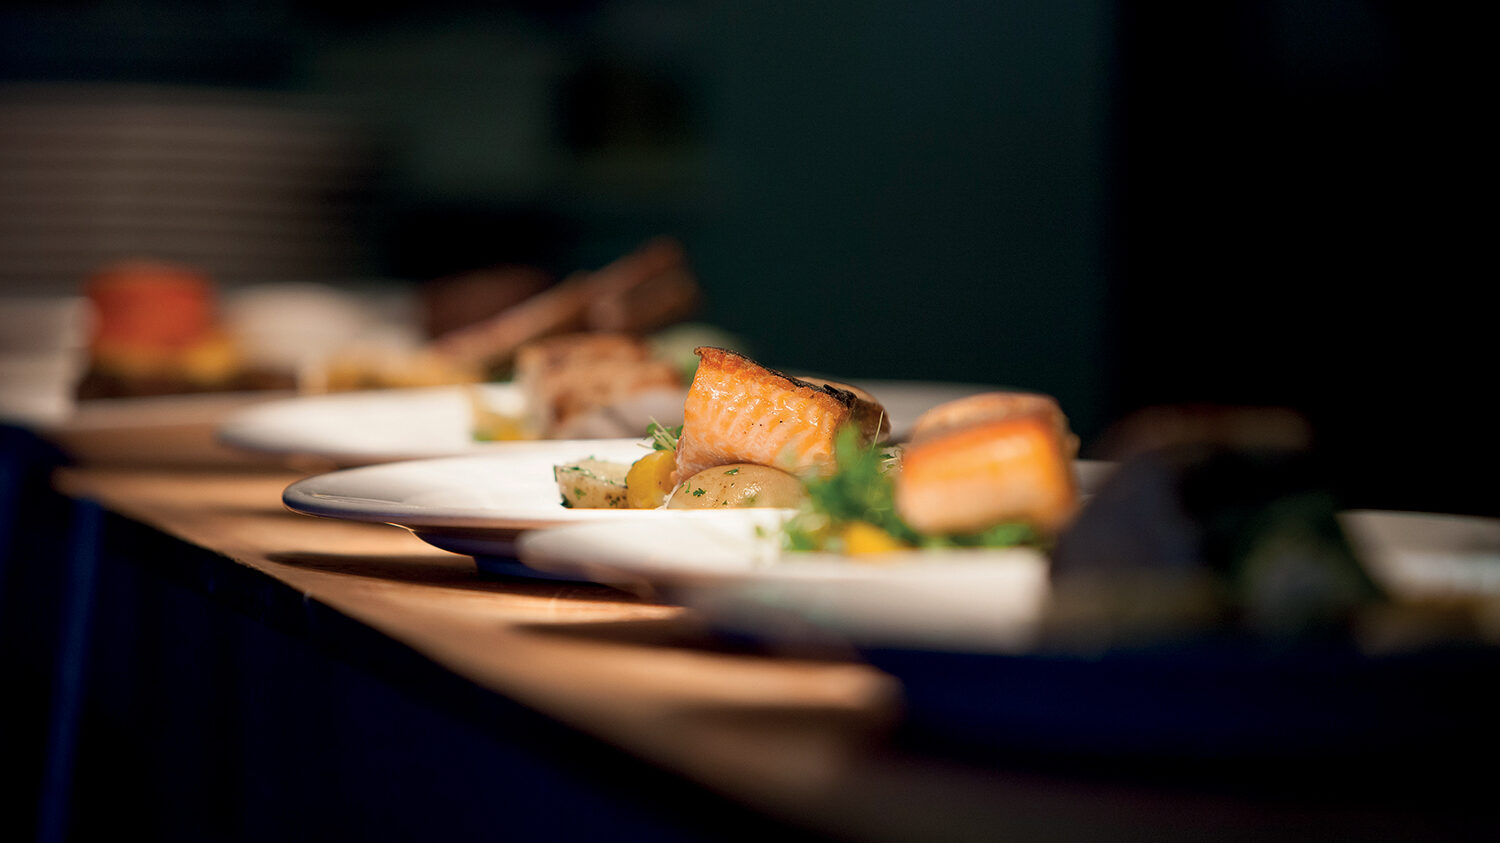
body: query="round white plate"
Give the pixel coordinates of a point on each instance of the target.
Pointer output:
(1422, 555)
(733, 568)
(385, 425)
(475, 504)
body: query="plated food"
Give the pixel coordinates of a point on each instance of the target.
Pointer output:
(1218, 520)
(157, 330)
(990, 469)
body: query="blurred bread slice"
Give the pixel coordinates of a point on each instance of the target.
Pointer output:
(640, 292)
(595, 385)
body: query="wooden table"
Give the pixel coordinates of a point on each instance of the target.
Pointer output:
(808, 745)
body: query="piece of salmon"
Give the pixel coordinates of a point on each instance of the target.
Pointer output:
(740, 411)
(987, 459)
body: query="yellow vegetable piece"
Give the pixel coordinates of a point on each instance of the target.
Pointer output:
(493, 425)
(650, 479)
(862, 537)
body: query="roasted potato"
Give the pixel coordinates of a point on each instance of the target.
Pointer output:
(738, 485)
(592, 484)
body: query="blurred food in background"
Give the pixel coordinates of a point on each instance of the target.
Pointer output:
(335, 338)
(158, 329)
(1216, 520)
(639, 293)
(595, 385)
(463, 299)
(164, 327)
(474, 327)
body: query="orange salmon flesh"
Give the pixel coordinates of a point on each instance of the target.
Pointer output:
(1015, 468)
(740, 411)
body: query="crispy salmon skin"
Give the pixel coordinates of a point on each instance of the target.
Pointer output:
(740, 411)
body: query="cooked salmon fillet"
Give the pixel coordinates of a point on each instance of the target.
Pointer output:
(740, 411)
(986, 459)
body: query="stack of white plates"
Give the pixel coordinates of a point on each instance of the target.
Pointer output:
(243, 185)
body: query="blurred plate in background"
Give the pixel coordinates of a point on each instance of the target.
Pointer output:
(372, 426)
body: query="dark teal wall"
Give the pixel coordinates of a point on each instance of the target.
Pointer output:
(909, 190)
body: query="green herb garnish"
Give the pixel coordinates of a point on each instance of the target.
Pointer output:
(663, 438)
(861, 489)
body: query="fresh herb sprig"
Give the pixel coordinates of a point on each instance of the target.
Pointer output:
(859, 489)
(663, 438)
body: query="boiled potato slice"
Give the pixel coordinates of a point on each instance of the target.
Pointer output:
(738, 485)
(592, 484)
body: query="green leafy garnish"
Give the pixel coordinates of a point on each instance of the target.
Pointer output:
(663, 438)
(858, 490)
(733, 471)
(861, 489)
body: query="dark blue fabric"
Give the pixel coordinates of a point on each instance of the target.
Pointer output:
(172, 694)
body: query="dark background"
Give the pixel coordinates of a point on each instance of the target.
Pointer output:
(1119, 204)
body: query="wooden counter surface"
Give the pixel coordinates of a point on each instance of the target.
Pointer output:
(803, 740)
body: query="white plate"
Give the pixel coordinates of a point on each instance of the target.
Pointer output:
(374, 426)
(733, 568)
(1420, 555)
(476, 504)
(382, 425)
